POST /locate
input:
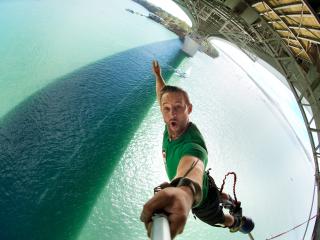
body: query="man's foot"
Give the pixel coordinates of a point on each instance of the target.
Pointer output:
(236, 225)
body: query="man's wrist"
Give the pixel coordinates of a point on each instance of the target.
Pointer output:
(193, 188)
(189, 193)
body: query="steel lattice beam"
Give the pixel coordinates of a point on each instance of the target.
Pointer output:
(262, 40)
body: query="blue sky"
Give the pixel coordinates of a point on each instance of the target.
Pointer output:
(172, 8)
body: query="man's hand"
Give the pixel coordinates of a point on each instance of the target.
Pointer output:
(159, 80)
(156, 68)
(175, 202)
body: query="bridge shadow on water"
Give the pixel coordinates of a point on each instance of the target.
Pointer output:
(59, 147)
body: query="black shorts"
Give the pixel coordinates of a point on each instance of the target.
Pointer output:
(210, 210)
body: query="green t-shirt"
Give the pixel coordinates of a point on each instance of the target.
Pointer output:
(190, 143)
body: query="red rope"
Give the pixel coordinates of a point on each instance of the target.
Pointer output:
(234, 184)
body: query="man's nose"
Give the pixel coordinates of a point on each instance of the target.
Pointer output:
(173, 112)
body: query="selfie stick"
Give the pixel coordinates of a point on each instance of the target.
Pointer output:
(160, 228)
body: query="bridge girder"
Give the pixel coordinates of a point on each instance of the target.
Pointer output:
(237, 22)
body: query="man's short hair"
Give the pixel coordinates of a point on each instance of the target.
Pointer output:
(174, 89)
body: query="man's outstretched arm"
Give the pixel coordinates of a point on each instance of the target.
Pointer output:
(160, 83)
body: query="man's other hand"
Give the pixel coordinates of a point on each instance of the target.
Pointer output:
(156, 68)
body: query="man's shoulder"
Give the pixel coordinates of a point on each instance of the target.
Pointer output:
(194, 132)
(195, 136)
(193, 127)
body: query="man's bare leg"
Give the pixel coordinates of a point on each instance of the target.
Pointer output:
(228, 220)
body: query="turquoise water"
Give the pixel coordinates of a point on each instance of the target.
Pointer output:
(71, 99)
(41, 41)
(80, 132)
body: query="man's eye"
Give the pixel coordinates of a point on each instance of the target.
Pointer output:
(166, 109)
(179, 108)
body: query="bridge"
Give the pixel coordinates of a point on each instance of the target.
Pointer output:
(285, 34)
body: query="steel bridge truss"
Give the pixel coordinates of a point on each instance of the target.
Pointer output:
(258, 39)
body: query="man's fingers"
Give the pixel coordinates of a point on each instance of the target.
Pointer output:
(160, 201)
(157, 202)
(155, 63)
(155, 66)
(149, 227)
(177, 223)
(168, 200)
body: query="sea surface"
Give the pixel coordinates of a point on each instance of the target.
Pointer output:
(80, 131)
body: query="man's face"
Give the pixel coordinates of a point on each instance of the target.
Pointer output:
(175, 112)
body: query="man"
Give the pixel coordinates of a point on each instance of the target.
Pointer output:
(185, 155)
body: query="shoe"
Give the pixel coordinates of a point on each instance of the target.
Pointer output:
(247, 225)
(242, 224)
(236, 225)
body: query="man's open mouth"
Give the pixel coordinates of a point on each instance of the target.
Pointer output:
(173, 123)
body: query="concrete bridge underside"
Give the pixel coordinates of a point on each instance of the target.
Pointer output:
(240, 23)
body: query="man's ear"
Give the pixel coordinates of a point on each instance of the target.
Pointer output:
(190, 108)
